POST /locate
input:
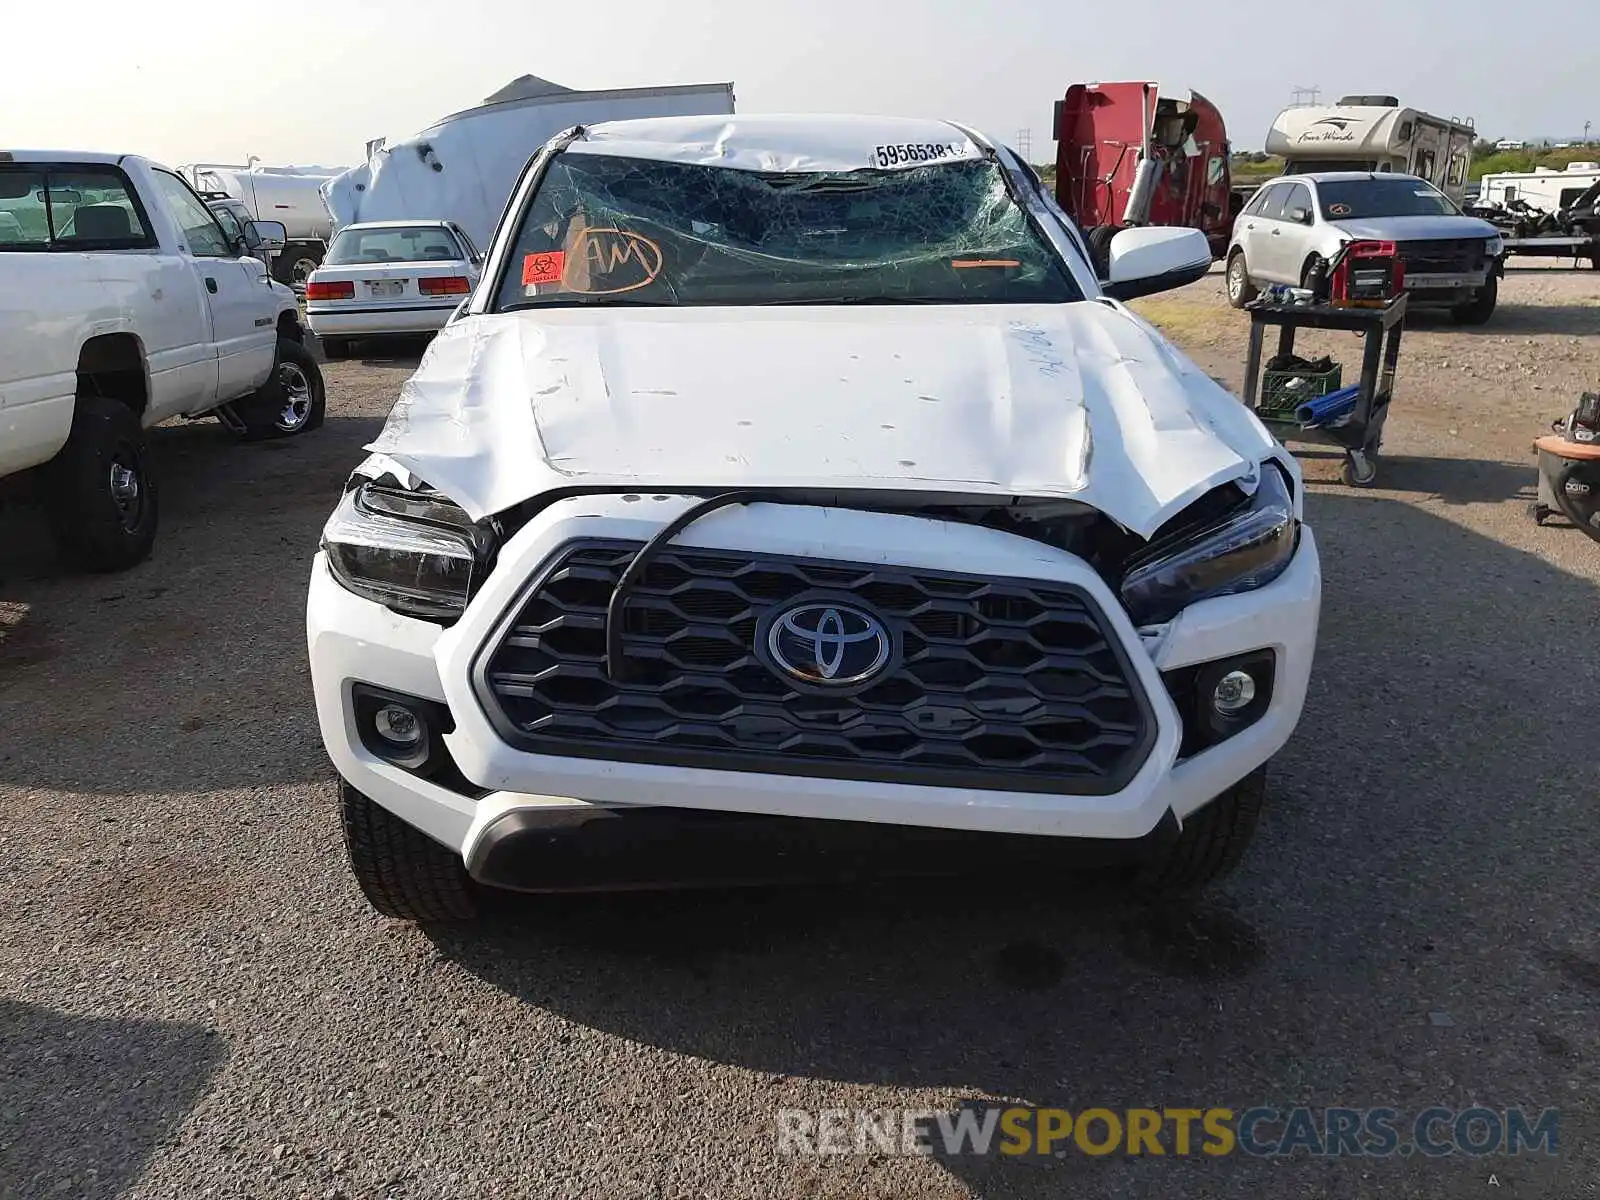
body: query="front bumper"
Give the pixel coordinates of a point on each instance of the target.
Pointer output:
(1448, 288)
(354, 641)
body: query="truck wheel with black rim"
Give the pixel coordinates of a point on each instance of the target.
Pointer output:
(291, 402)
(1481, 307)
(1210, 845)
(101, 492)
(294, 264)
(402, 871)
(1240, 290)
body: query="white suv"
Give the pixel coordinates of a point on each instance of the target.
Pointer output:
(801, 468)
(1297, 221)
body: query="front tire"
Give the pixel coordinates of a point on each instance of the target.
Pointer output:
(101, 491)
(402, 871)
(1480, 308)
(1211, 844)
(292, 401)
(333, 349)
(1240, 290)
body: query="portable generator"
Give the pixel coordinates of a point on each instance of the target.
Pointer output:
(1366, 275)
(1569, 468)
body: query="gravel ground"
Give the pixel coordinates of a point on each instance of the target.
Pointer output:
(194, 1000)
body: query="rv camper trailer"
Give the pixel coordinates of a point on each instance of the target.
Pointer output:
(1374, 133)
(1543, 188)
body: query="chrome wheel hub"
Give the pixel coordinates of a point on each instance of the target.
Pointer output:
(127, 492)
(296, 397)
(124, 484)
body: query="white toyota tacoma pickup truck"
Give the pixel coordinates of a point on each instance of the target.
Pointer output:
(123, 303)
(802, 468)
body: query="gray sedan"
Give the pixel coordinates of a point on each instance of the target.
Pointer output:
(1450, 259)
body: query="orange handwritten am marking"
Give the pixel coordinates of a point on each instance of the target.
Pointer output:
(962, 264)
(617, 260)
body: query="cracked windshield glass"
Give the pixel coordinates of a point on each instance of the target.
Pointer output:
(606, 229)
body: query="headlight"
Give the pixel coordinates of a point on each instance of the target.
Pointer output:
(1236, 551)
(1494, 247)
(413, 552)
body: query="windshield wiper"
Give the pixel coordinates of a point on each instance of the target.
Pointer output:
(865, 300)
(563, 302)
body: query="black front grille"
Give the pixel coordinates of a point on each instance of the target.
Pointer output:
(998, 683)
(1446, 256)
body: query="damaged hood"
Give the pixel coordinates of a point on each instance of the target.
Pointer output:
(1081, 401)
(1409, 229)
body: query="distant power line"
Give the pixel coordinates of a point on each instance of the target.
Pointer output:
(1301, 96)
(1025, 145)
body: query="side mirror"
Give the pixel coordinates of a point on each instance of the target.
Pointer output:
(1144, 261)
(1299, 215)
(267, 236)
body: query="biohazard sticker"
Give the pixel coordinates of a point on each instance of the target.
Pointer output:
(545, 267)
(1339, 210)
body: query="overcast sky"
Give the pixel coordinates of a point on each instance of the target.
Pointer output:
(298, 82)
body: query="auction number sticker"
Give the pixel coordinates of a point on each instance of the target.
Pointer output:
(915, 153)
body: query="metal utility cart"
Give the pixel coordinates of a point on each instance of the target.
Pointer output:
(1360, 435)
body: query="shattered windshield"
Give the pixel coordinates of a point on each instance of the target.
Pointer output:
(604, 229)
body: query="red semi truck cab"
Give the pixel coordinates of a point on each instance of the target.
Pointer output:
(1128, 155)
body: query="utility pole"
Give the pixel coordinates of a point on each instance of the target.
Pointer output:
(1586, 125)
(1300, 97)
(1025, 145)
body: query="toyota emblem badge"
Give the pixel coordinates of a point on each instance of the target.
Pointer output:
(829, 644)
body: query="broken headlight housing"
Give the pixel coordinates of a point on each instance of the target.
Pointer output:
(415, 552)
(1238, 549)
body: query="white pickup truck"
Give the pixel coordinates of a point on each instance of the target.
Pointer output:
(123, 303)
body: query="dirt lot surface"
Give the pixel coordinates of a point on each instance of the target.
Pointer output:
(195, 1001)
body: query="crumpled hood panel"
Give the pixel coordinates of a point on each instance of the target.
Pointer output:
(1082, 401)
(1416, 229)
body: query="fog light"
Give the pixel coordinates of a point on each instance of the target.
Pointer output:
(1236, 691)
(398, 726)
(1221, 698)
(405, 731)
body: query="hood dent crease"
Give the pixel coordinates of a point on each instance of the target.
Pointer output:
(1082, 401)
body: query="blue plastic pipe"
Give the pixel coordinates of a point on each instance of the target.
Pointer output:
(1325, 410)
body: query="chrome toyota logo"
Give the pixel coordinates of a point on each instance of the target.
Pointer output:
(832, 645)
